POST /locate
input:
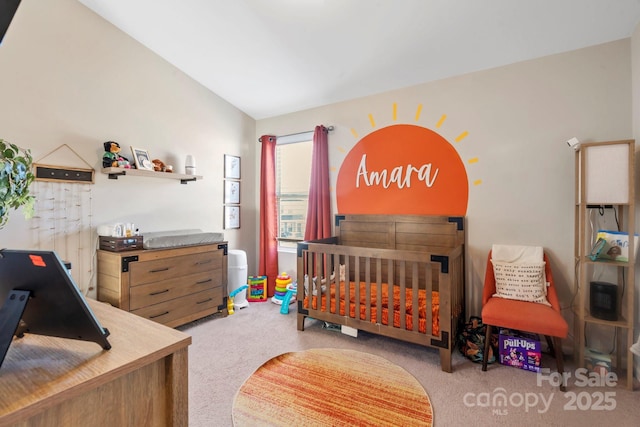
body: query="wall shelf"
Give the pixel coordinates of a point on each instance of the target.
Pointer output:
(114, 173)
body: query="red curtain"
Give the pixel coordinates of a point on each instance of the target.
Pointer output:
(319, 208)
(268, 255)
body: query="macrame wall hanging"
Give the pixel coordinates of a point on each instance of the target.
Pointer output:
(63, 212)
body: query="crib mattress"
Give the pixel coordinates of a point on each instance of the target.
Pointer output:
(422, 305)
(177, 238)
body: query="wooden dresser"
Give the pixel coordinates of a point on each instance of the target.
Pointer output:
(170, 286)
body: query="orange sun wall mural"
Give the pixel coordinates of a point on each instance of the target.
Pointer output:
(402, 169)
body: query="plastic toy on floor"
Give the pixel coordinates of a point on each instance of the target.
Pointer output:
(230, 306)
(282, 281)
(289, 298)
(257, 288)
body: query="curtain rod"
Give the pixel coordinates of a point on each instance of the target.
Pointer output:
(329, 128)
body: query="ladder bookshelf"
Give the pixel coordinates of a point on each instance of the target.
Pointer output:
(605, 185)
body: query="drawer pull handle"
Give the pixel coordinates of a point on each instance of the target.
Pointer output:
(206, 261)
(203, 281)
(159, 270)
(202, 302)
(159, 292)
(158, 315)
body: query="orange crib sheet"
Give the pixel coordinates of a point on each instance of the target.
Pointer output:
(422, 323)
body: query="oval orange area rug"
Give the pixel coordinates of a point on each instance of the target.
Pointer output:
(331, 387)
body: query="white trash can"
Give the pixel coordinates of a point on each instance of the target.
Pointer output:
(237, 276)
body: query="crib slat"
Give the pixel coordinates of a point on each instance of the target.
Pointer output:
(390, 282)
(326, 275)
(347, 288)
(429, 298)
(403, 296)
(317, 285)
(335, 281)
(367, 289)
(379, 290)
(358, 297)
(415, 303)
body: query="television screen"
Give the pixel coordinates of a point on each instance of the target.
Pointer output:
(38, 296)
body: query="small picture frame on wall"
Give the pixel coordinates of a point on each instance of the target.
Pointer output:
(231, 217)
(231, 166)
(142, 159)
(231, 192)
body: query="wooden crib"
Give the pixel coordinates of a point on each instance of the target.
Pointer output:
(393, 266)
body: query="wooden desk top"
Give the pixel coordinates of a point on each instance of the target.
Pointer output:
(39, 371)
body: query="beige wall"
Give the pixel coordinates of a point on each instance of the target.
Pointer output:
(69, 77)
(518, 118)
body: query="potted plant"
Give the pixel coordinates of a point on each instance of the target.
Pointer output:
(15, 178)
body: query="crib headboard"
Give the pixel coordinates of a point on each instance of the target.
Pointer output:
(405, 232)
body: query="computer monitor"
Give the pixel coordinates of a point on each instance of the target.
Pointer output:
(38, 296)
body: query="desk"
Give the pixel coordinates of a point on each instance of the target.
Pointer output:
(141, 381)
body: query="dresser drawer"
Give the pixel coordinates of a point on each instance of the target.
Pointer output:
(182, 310)
(165, 290)
(161, 269)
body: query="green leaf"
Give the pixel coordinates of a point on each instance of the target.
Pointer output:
(15, 178)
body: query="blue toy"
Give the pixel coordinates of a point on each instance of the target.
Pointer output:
(284, 308)
(237, 291)
(233, 294)
(286, 299)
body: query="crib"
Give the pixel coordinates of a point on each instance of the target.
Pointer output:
(400, 276)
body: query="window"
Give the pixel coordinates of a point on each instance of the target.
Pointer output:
(293, 175)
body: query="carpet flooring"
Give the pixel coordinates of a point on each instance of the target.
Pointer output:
(226, 351)
(331, 387)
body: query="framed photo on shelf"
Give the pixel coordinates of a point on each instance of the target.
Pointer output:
(231, 167)
(142, 159)
(231, 217)
(231, 192)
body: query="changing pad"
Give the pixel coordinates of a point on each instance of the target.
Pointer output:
(176, 238)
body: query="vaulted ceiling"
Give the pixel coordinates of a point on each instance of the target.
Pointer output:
(272, 57)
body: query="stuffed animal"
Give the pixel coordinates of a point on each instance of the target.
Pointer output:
(112, 157)
(158, 165)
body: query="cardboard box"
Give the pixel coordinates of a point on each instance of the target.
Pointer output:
(520, 349)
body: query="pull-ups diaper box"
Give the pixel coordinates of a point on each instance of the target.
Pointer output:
(520, 350)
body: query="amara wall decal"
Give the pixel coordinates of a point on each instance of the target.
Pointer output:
(404, 169)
